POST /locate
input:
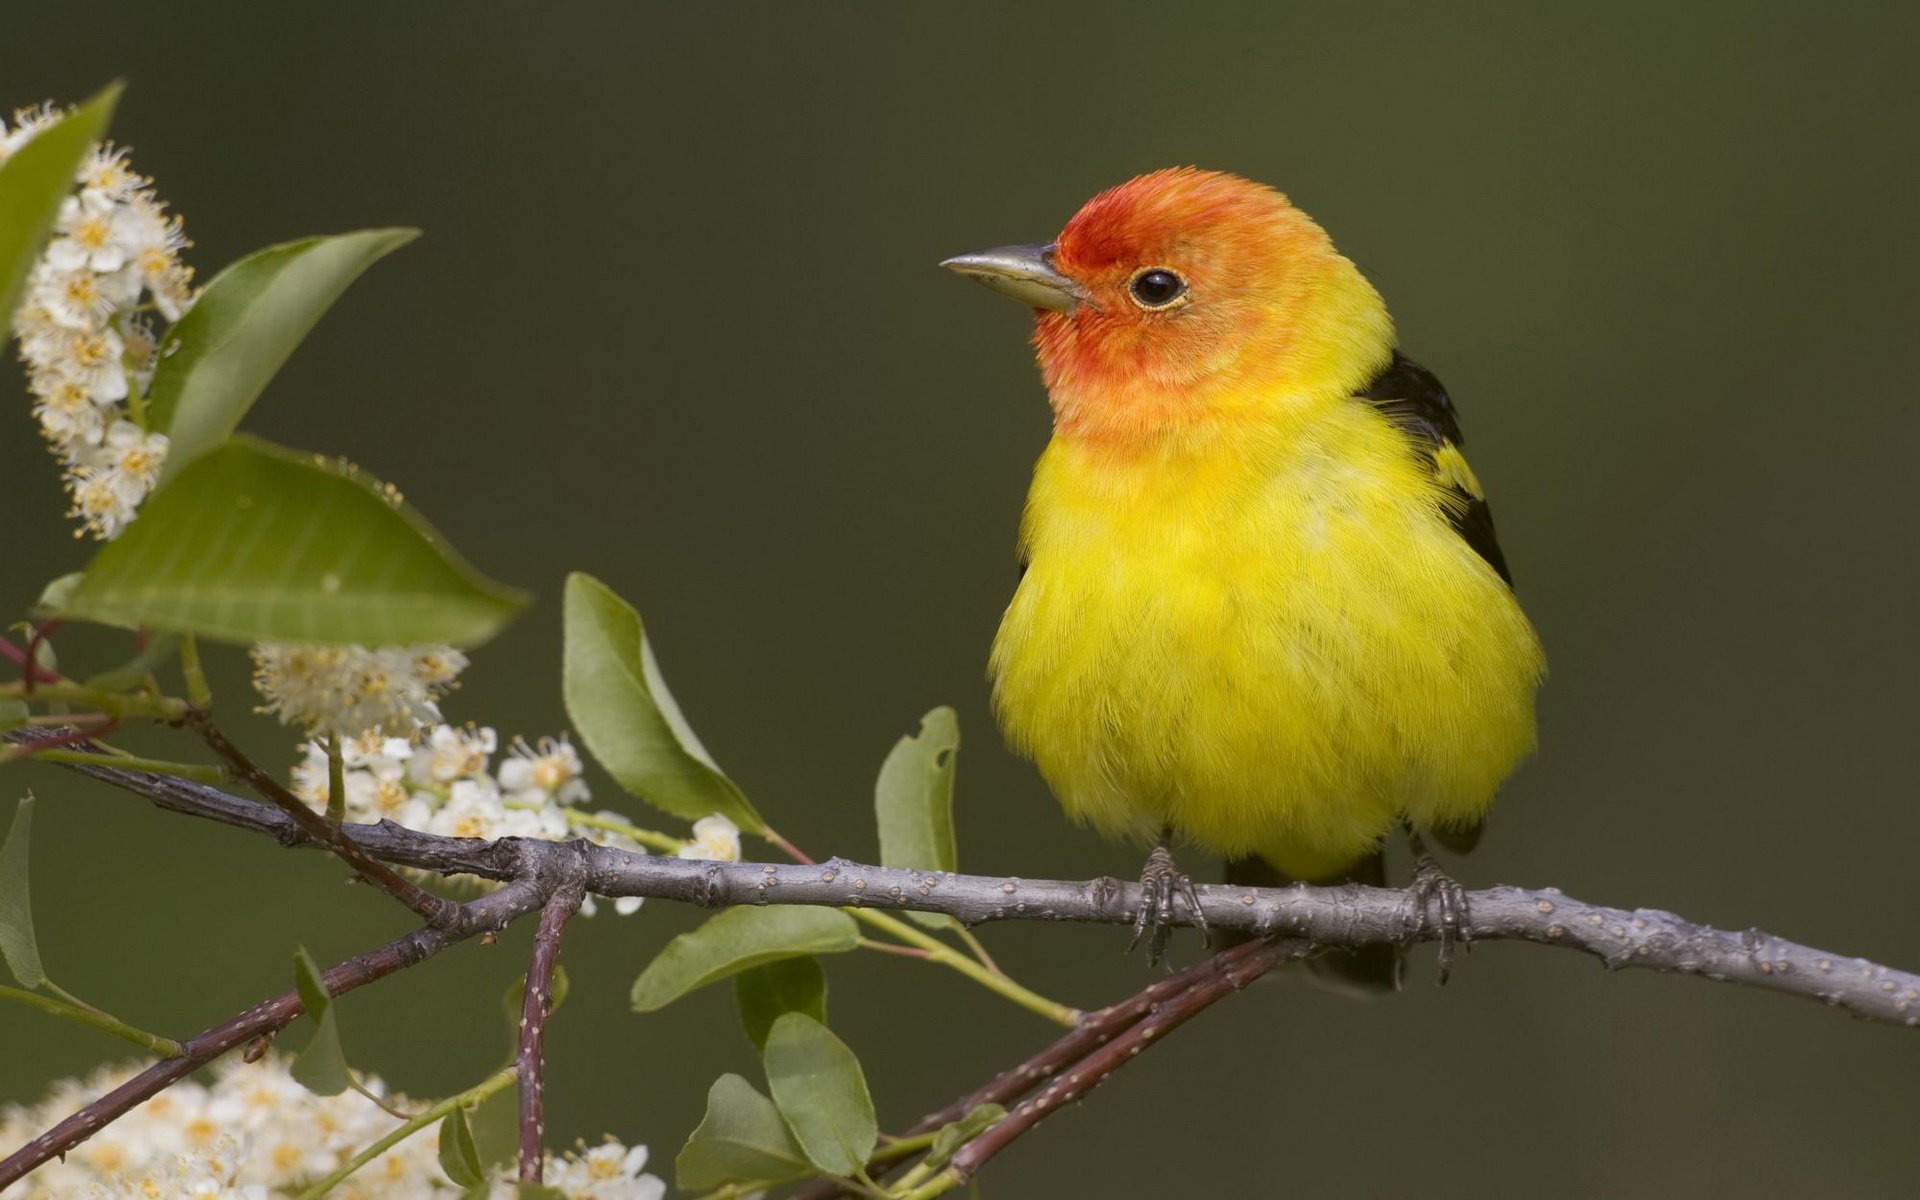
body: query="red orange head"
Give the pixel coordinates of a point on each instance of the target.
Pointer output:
(1184, 294)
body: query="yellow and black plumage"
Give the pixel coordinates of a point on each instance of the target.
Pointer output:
(1263, 608)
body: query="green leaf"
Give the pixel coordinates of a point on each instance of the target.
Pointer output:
(537, 1191)
(955, 1134)
(913, 800)
(741, 1139)
(782, 986)
(54, 597)
(735, 940)
(821, 1093)
(13, 713)
(217, 359)
(458, 1156)
(34, 182)
(622, 709)
(255, 543)
(17, 943)
(321, 1065)
(495, 1123)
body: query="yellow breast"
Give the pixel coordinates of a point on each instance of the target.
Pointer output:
(1272, 643)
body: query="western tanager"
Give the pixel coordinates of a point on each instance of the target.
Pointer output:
(1261, 606)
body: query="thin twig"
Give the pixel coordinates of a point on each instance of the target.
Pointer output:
(1098, 1028)
(1347, 916)
(530, 1058)
(433, 909)
(1229, 971)
(490, 912)
(30, 669)
(54, 740)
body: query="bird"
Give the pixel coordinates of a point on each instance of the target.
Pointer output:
(1261, 609)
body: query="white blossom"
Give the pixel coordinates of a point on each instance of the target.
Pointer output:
(88, 352)
(549, 772)
(346, 691)
(115, 476)
(445, 781)
(715, 838)
(252, 1133)
(93, 233)
(26, 123)
(609, 1171)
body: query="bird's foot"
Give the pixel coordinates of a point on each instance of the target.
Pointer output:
(1432, 888)
(1161, 880)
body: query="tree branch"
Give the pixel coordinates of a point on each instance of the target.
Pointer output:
(1225, 973)
(1347, 916)
(433, 909)
(488, 913)
(1289, 923)
(1118, 1025)
(534, 1006)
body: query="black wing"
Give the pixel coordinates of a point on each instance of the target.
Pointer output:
(1410, 397)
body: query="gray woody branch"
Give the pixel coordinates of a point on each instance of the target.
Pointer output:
(1341, 916)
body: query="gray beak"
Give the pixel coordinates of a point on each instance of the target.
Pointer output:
(1023, 272)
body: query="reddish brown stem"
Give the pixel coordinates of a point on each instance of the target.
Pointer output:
(30, 670)
(1227, 972)
(45, 630)
(902, 951)
(434, 909)
(269, 1017)
(788, 848)
(1096, 1030)
(530, 1059)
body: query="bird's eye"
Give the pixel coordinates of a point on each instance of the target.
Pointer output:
(1157, 287)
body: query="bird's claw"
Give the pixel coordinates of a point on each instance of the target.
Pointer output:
(1161, 880)
(1433, 888)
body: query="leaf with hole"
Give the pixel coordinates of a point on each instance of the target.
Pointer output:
(822, 1094)
(913, 801)
(740, 1140)
(33, 183)
(17, 944)
(619, 703)
(785, 985)
(256, 543)
(736, 940)
(321, 1065)
(217, 359)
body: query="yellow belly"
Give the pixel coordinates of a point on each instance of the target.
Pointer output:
(1280, 650)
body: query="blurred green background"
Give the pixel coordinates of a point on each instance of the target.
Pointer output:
(676, 321)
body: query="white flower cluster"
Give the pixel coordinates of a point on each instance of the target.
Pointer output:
(253, 1133)
(447, 785)
(115, 253)
(346, 691)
